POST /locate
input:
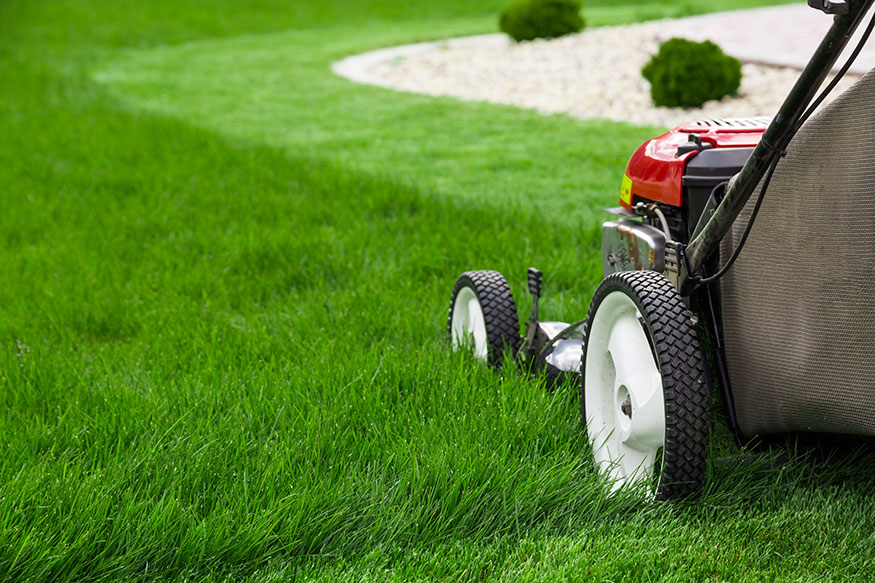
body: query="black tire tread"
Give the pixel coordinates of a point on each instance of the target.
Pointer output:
(499, 312)
(685, 389)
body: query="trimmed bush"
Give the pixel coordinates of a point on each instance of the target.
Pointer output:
(531, 19)
(687, 74)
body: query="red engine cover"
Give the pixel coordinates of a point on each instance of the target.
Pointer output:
(655, 171)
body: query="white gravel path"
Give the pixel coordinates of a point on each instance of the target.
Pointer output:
(594, 74)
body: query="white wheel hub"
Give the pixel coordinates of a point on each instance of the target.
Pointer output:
(623, 394)
(469, 326)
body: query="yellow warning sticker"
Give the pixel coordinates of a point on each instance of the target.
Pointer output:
(626, 190)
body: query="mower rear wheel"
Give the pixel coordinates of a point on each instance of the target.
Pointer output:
(483, 317)
(644, 398)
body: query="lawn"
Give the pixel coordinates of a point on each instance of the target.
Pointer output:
(223, 294)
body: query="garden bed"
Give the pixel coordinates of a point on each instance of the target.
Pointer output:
(593, 74)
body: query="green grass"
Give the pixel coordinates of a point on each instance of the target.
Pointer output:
(222, 306)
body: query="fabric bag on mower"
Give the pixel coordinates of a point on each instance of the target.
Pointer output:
(798, 315)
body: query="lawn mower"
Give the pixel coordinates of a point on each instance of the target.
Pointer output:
(785, 329)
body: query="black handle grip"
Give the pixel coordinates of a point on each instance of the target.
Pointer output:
(535, 276)
(830, 6)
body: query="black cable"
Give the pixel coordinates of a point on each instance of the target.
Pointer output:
(774, 164)
(747, 229)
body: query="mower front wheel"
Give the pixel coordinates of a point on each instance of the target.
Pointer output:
(644, 398)
(483, 317)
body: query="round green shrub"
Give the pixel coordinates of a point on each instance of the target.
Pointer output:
(687, 74)
(531, 19)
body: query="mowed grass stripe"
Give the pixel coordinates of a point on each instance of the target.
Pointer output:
(278, 89)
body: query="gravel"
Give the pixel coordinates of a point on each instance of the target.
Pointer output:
(594, 74)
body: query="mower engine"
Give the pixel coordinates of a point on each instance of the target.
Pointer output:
(668, 181)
